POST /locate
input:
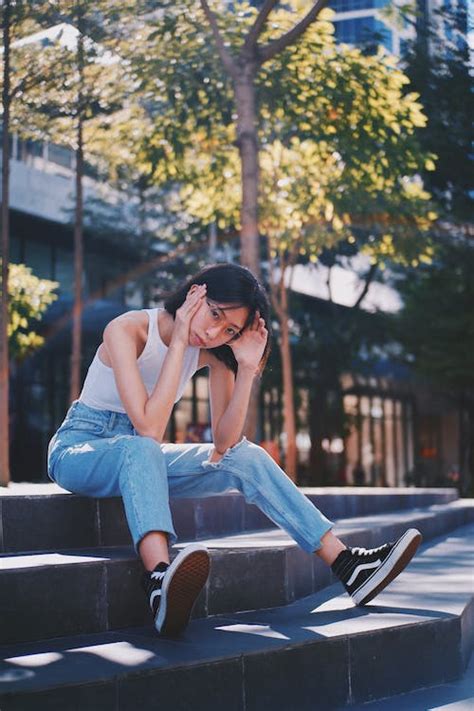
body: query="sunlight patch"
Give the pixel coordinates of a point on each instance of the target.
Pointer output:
(36, 660)
(260, 630)
(119, 652)
(9, 675)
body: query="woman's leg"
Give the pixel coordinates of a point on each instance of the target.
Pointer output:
(250, 469)
(129, 466)
(134, 468)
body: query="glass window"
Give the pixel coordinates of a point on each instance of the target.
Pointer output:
(400, 459)
(60, 155)
(38, 257)
(390, 474)
(350, 404)
(29, 149)
(381, 437)
(366, 449)
(363, 30)
(202, 411)
(191, 415)
(64, 271)
(183, 415)
(15, 250)
(377, 434)
(348, 5)
(376, 408)
(202, 388)
(364, 406)
(410, 442)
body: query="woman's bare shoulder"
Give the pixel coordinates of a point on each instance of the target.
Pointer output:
(136, 325)
(134, 319)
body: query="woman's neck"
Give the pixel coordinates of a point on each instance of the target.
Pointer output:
(165, 326)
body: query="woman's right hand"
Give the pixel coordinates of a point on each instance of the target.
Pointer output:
(185, 313)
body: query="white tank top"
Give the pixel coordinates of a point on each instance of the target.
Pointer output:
(100, 390)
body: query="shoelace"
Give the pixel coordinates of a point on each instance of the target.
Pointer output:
(158, 575)
(365, 552)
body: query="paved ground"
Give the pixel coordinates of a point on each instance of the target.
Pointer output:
(456, 696)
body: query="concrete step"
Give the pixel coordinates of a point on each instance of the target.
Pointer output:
(454, 695)
(319, 652)
(58, 520)
(94, 590)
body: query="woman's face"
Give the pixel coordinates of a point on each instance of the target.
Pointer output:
(216, 323)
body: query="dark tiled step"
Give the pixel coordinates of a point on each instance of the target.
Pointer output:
(93, 590)
(320, 652)
(58, 520)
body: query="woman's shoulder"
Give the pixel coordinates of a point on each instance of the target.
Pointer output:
(134, 320)
(133, 323)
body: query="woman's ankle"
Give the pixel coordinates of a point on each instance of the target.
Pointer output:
(153, 549)
(331, 546)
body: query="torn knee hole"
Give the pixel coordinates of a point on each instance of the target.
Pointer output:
(217, 456)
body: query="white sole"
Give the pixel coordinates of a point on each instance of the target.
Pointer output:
(182, 584)
(396, 561)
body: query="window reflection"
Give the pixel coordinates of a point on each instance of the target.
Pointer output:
(190, 421)
(380, 439)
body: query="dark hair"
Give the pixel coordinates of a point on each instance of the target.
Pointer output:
(232, 284)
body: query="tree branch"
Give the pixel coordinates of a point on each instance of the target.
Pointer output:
(24, 85)
(255, 30)
(226, 58)
(368, 281)
(290, 37)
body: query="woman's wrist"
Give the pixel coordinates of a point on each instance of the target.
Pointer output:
(177, 345)
(248, 368)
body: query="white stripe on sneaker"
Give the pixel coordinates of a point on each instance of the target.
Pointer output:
(155, 593)
(380, 575)
(362, 567)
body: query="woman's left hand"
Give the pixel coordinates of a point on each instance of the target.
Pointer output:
(250, 346)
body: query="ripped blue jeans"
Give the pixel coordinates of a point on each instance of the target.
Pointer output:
(98, 453)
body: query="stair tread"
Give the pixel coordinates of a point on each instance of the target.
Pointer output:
(268, 538)
(20, 488)
(434, 588)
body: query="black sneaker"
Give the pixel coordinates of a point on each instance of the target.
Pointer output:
(172, 589)
(365, 572)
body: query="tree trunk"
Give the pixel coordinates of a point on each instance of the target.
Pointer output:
(76, 351)
(5, 255)
(247, 141)
(289, 419)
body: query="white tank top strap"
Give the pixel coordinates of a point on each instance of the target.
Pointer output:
(153, 341)
(100, 390)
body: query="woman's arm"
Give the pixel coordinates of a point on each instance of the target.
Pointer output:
(149, 414)
(230, 398)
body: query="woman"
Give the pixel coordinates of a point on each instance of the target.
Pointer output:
(111, 441)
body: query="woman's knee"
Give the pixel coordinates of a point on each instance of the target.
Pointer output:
(250, 450)
(142, 455)
(250, 458)
(137, 444)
